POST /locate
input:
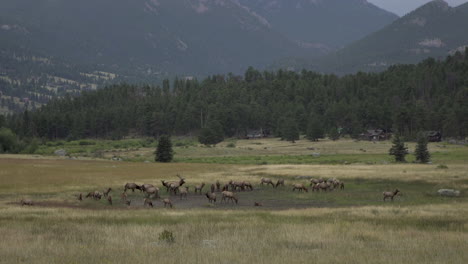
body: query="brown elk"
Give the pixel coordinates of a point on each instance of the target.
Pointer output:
(225, 187)
(199, 188)
(267, 181)
(166, 201)
(258, 204)
(152, 192)
(109, 199)
(236, 185)
(229, 196)
(390, 194)
(183, 191)
(211, 197)
(324, 186)
(218, 186)
(132, 186)
(279, 182)
(95, 195)
(173, 187)
(248, 185)
(148, 202)
(143, 187)
(300, 187)
(26, 202)
(106, 192)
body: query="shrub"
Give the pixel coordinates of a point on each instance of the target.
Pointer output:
(442, 166)
(231, 145)
(86, 143)
(166, 236)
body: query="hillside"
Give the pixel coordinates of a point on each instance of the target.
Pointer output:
(434, 30)
(160, 36)
(322, 25)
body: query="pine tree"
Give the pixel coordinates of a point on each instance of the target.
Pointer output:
(421, 152)
(290, 130)
(211, 134)
(399, 150)
(333, 134)
(164, 152)
(314, 129)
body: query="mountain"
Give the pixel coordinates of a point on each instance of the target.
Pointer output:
(433, 30)
(159, 36)
(322, 24)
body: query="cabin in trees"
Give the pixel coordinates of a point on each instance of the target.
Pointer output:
(261, 133)
(434, 136)
(376, 135)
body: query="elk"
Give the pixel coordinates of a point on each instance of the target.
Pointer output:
(199, 188)
(279, 182)
(258, 204)
(109, 199)
(80, 197)
(316, 187)
(218, 186)
(123, 196)
(267, 181)
(106, 192)
(131, 186)
(234, 185)
(148, 202)
(300, 187)
(390, 195)
(225, 187)
(95, 195)
(166, 201)
(183, 191)
(211, 197)
(248, 185)
(26, 202)
(143, 187)
(212, 188)
(174, 186)
(323, 186)
(229, 196)
(152, 191)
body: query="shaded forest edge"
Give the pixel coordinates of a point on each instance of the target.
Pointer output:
(431, 95)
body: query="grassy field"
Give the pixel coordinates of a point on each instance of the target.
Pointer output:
(344, 226)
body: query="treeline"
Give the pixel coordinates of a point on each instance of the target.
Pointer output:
(432, 95)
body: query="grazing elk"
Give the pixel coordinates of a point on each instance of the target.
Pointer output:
(229, 196)
(183, 191)
(218, 186)
(143, 187)
(26, 202)
(248, 185)
(323, 186)
(211, 197)
(109, 199)
(267, 181)
(131, 186)
(166, 201)
(279, 182)
(95, 195)
(300, 187)
(236, 185)
(148, 202)
(152, 192)
(199, 188)
(390, 194)
(106, 192)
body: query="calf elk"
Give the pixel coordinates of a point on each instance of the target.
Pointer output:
(300, 187)
(279, 182)
(26, 202)
(148, 202)
(199, 188)
(166, 201)
(390, 195)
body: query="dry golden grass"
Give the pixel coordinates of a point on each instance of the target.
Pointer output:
(387, 233)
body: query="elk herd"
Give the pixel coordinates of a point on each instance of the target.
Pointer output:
(228, 192)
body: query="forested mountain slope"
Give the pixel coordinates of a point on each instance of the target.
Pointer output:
(409, 98)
